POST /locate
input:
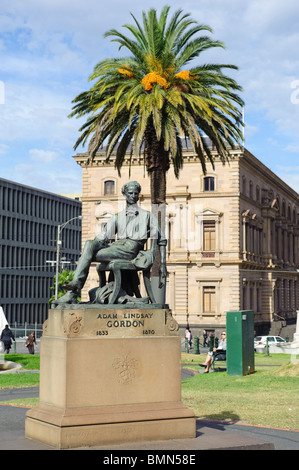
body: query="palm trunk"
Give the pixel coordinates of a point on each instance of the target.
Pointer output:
(157, 165)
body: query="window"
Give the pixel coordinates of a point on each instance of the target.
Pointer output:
(251, 189)
(209, 183)
(209, 298)
(109, 187)
(243, 185)
(209, 237)
(257, 194)
(279, 339)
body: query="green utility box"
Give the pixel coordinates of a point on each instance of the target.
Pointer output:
(239, 342)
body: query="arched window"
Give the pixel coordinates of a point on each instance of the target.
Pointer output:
(109, 187)
(244, 185)
(257, 194)
(251, 189)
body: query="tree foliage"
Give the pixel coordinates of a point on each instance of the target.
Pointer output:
(65, 277)
(155, 97)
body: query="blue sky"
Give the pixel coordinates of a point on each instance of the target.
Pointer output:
(48, 50)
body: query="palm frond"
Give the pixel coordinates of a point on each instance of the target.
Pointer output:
(121, 110)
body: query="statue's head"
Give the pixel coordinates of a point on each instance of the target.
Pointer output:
(130, 184)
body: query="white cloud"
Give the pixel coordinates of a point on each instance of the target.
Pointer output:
(38, 113)
(287, 169)
(60, 175)
(291, 177)
(3, 149)
(292, 148)
(250, 130)
(43, 156)
(49, 48)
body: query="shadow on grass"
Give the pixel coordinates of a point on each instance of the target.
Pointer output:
(219, 369)
(216, 421)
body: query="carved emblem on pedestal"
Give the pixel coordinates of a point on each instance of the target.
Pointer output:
(73, 324)
(171, 323)
(126, 369)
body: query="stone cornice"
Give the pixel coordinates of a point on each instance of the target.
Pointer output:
(253, 162)
(238, 154)
(188, 156)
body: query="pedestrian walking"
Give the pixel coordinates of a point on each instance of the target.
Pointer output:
(30, 342)
(7, 337)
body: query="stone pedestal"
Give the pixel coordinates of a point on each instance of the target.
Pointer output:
(109, 376)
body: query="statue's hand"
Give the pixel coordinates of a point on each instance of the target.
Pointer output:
(162, 275)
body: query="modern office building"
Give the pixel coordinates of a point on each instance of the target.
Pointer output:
(233, 236)
(29, 220)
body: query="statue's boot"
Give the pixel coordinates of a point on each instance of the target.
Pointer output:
(72, 287)
(68, 298)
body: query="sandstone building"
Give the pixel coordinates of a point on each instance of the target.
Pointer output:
(233, 236)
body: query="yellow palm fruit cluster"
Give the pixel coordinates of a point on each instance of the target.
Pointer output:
(184, 75)
(154, 77)
(126, 72)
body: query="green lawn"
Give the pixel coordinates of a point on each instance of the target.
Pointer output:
(19, 380)
(29, 361)
(269, 397)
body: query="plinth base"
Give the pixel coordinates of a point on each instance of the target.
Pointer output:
(109, 377)
(102, 427)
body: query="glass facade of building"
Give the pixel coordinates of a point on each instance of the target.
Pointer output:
(29, 219)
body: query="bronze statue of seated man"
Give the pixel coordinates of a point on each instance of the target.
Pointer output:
(133, 227)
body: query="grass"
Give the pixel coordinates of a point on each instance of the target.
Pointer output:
(260, 359)
(28, 361)
(22, 402)
(19, 380)
(269, 397)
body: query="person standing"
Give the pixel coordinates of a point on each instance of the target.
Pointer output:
(7, 337)
(205, 337)
(187, 339)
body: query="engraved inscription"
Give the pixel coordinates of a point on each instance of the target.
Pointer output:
(126, 323)
(140, 321)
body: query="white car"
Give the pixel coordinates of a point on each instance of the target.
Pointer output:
(260, 341)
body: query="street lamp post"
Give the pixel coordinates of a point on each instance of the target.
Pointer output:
(58, 245)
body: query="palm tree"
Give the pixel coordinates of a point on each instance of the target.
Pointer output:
(151, 100)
